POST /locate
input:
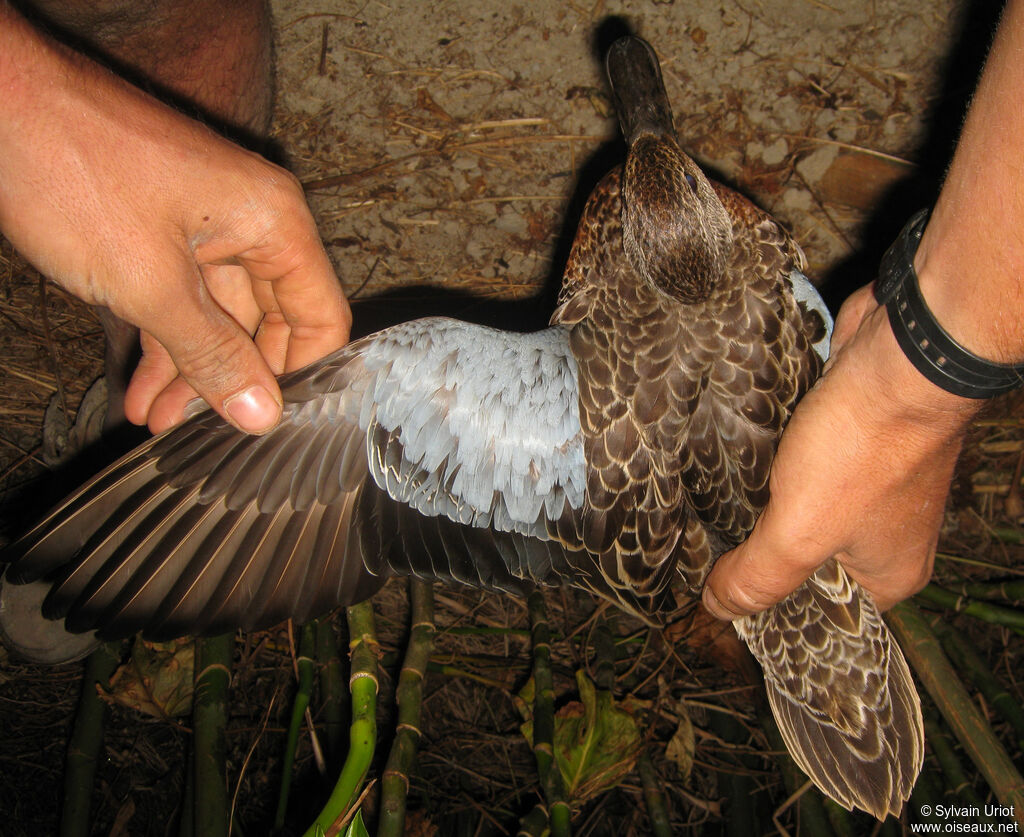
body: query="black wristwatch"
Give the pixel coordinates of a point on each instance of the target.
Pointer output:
(933, 352)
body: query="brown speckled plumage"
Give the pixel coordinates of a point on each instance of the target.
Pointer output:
(677, 403)
(690, 366)
(629, 442)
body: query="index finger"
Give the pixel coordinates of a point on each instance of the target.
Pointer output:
(276, 240)
(295, 285)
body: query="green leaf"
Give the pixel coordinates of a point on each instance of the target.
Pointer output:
(596, 742)
(156, 679)
(357, 828)
(524, 705)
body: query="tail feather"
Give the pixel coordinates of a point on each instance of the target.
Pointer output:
(841, 692)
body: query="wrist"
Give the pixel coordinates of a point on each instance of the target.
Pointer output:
(969, 275)
(933, 351)
(908, 398)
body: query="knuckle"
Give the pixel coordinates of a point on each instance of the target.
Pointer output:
(212, 359)
(742, 597)
(282, 187)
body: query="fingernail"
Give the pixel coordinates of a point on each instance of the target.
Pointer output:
(715, 607)
(254, 410)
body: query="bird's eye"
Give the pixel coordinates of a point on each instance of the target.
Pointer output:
(691, 181)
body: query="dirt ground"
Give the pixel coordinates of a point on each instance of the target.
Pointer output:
(451, 157)
(446, 150)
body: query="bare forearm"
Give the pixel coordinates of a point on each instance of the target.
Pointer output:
(21, 48)
(30, 75)
(58, 110)
(972, 254)
(209, 249)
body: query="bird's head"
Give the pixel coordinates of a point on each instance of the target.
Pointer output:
(676, 233)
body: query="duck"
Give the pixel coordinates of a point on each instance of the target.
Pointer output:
(620, 450)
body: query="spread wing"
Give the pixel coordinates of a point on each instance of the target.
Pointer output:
(435, 448)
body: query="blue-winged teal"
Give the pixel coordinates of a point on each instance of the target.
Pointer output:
(625, 446)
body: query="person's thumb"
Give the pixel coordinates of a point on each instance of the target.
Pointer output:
(218, 359)
(755, 575)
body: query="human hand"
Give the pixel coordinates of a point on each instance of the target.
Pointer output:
(862, 472)
(209, 249)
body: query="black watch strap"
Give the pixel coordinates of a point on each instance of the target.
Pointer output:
(929, 347)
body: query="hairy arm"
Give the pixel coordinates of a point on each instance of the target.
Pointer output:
(209, 249)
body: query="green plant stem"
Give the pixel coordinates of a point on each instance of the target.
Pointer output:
(209, 718)
(654, 798)
(544, 718)
(1008, 591)
(482, 630)
(842, 821)
(187, 822)
(974, 668)
(409, 694)
(736, 785)
(926, 796)
(86, 741)
(889, 828)
(453, 671)
(925, 656)
(544, 692)
(334, 697)
(304, 671)
(1006, 617)
(1007, 535)
(959, 784)
(363, 684)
